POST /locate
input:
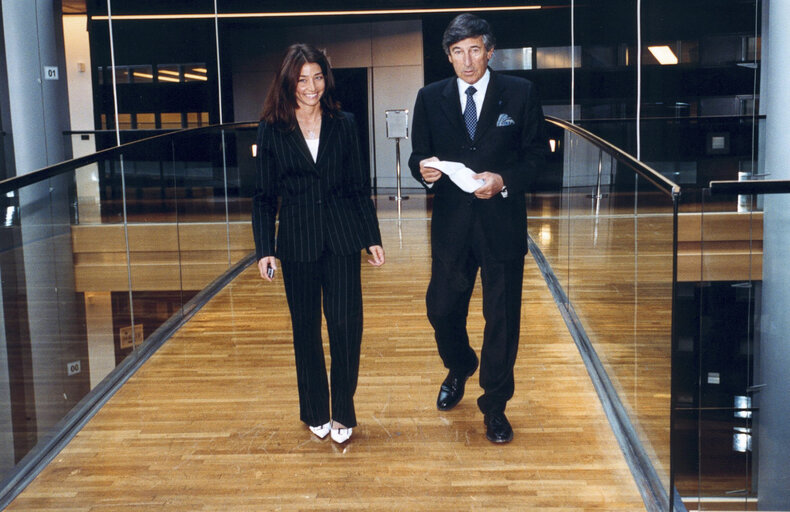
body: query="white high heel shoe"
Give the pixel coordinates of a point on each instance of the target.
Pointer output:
(321, 430)
(341, 435)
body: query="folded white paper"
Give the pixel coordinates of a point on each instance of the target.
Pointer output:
(461, 175)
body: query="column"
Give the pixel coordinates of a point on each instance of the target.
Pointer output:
(37, 106)
(773, 357)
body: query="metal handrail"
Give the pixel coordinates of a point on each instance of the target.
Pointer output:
(749, 187)
(30, 178)
(693, 119)
(51, 171)
(643, 170)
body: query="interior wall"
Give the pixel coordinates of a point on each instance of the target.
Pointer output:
(391, 51)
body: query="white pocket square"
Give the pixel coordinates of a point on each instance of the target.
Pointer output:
(505, 120)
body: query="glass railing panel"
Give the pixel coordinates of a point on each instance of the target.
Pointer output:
(199, 195)
(154, 189)
(43, 305)
(59, 327)
(731, 306)
(97, 258)
(138, 184)
(620, 285)
(650, 370)
(137, 209)
(549, 204)
(240, 175)
(100, 262)
(215, 177)
(690, 151)
(241, 181)
(608, 233)
(5, 146)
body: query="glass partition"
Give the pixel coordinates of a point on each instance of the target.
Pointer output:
(99, 254)
(731, 403)
(690, 151)
(606, 226)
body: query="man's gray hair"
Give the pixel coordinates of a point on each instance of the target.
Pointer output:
(465, 26)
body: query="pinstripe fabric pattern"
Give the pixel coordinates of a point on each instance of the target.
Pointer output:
(325, 204)
(326, 216)
(336, 278)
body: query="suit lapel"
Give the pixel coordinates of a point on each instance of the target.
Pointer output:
(298, 145)
(328, 128)
(491, 106)
(297, 142)
(451, 106)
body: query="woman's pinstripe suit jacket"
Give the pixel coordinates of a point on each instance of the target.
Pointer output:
(325, 205)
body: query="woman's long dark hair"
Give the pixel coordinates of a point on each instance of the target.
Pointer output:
(280, 105)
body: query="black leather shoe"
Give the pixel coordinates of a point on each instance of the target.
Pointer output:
(452, 390)
(498, 429)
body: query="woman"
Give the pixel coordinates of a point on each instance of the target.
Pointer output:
(309, 156)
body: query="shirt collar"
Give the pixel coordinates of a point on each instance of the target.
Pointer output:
(481, 85)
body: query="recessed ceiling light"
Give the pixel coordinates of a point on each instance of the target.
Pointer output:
(663, 54)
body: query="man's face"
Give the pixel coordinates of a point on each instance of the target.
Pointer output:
(470, 58)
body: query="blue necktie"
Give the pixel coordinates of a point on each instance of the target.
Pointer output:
(470, 112)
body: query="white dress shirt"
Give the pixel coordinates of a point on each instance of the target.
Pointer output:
(481, 86)
(312, 145)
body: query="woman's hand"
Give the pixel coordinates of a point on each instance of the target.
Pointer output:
(266, 263)
(377, 252)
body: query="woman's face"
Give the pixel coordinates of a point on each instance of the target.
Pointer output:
(310, 85)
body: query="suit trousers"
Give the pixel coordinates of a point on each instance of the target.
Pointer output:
(336, 280)
(447, 304)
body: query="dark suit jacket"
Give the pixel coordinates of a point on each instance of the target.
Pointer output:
(324, 204)
(510, 140)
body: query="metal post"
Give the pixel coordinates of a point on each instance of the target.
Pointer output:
(600, 172)
(398, 197)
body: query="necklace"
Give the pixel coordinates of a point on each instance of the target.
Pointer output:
(310, 128)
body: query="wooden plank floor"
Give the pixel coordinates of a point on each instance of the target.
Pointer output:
(210, 422)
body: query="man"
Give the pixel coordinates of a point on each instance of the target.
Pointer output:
(496, 129)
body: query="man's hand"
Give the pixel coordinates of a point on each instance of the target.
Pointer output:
(493, 185)
(429, 174)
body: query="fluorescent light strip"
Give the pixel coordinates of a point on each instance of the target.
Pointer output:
(312, 13)
(194, 77)
(168, 72)
(168, 79)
